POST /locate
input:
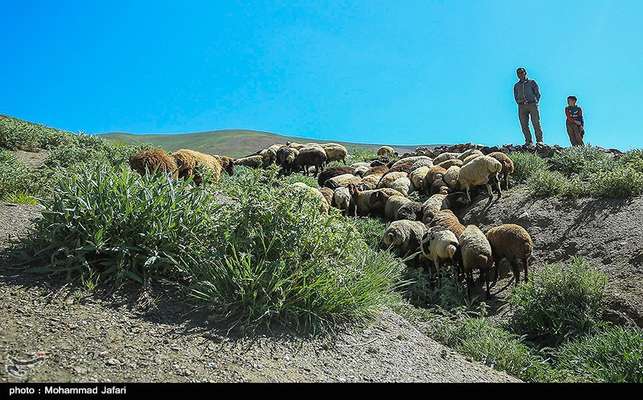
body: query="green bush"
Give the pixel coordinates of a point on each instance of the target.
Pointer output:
(525, 165)
(476, 336)
(582, 160)
(371, 229)
(633, 159)
(548, 183)
(14, 175)
(111, 223)
(559, 302)
(420, 291)
(274, 258)
(617, 182)
(615, 355)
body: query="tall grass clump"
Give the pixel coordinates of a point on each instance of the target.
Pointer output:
(548, 183)
(620, 181)
(614, 355)
(473, 334)
(559, 302)
(113, 224)
(371, 230)
(275, 258)
(525, 165)
(14, 176)
(581, 160)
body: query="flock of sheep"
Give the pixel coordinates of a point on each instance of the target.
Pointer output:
(425, 233)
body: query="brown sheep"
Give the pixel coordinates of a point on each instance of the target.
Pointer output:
(434, 173)
(507, 165)
(333, 172)
(153, 160)
(512, 242)
(475, 253)
(189, 162)
(448, 220)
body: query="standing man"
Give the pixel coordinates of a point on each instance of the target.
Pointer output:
(527, 95)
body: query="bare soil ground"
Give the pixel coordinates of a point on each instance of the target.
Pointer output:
(53, 333)
(607, 232)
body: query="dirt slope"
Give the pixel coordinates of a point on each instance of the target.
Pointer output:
(49, 334)
(608, 232)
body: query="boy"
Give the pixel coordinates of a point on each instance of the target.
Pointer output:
(575, 123)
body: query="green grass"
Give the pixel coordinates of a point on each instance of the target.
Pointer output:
(560, 302)
(112, 224)
(582, 171)
(614, 355)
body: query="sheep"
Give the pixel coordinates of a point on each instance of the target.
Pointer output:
(301, 187)
(432, 205)
(451, 177)
(360, 171)
(406, 164)
(512, 242)
(328, 194)
(311, 156)
(377, 170)
(294, 145)
(332, 172)
(269, 155)
(342, 181)
(387, 179)
(439, 245)
(438, 186)
(445, 156)
(190, 161)
(403, 236)
(446, 219)
(393, 204)
(374, 201)
(153, 160)
(477, 172)
(417, 177)
(449, 163)
(402, 185)
(476, 253)
(360, 164)
(335, 152)
(468, 153)
(471, 158)
(411, 211)
(371, 181)
(507, 165)
(286, 159)
(227, 163)
(432, 175)
(342, 200)
(255, 161)
(425, 162)
(386, 151)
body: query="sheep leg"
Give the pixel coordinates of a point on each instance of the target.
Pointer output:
(507, 181)
(486, 281)
(469, 284)
(489, 191)
(526, 262)
(498, 183)
(468, 194)
(516, 270)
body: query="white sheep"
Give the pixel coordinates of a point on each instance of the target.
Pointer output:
(393, 204)
(386, 151)
(451, 177)
(432, 205)
(342, 181)
(445, 156)
(477, 172)
(439, 246)
(468, 153)
(417, 177)
(342, 200)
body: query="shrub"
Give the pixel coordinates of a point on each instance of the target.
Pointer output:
(112, 223)
(274, 258)
(548, 183)
(421, 293)
(371, 229)
(633, 159)
(615, 355)
(525, 165)
(617, 182)
(474, 335)
(14, 175)
(583, 160)
(559, 302)
(359, 154)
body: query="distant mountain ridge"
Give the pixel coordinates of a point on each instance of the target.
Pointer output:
(230, 142)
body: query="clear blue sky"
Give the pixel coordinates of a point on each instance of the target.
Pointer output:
(401, 72)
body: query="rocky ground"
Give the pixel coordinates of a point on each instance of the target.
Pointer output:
(52, 333)
(607, 232)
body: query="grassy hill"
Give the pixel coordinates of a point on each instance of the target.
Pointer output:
(231, 142)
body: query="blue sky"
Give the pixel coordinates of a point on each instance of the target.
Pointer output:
(402, 72)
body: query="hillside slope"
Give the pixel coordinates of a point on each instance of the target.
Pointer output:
(230, 142)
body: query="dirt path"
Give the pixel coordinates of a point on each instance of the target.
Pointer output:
(608, 232)
(52, 335)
